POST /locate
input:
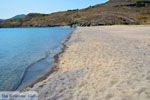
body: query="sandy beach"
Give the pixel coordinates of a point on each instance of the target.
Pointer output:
(101, 63)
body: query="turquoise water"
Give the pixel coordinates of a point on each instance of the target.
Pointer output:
(27, 53)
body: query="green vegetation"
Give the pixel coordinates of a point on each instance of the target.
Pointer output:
(138, 3)
(33, 15)
(74, 10)
(77, 16)
(143, 18)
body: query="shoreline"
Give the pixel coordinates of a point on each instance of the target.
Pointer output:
(101, 63)
(53, 68)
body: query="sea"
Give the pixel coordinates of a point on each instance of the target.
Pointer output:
(26, 54)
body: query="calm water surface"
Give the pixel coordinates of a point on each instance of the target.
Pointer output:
(26, 54)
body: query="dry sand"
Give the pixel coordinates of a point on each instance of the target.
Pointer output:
(102, 63)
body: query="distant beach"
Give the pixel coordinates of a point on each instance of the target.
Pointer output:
(101, 63)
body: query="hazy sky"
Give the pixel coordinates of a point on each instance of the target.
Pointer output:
(10, 8)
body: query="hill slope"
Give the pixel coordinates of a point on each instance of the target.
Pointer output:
(19, 16)
(109, 13)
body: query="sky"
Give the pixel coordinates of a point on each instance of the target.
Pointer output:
(10, 8)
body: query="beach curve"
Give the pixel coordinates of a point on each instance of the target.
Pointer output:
(101, 63)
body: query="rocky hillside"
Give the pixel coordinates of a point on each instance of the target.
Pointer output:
(109, 13)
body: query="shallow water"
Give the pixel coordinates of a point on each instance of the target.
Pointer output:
(26, 54)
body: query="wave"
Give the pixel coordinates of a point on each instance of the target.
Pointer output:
(47, 54)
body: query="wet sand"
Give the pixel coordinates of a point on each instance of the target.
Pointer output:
(101, 63)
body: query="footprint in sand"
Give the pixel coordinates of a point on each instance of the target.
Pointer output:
(141, 90)
(113, 82)
(148, 77)
(109, 96)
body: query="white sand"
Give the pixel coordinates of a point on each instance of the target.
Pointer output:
(102, 63)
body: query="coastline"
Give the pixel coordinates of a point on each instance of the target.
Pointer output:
(54, 68)
(101, 63)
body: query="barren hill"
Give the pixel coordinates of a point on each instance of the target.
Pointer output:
(109, 13)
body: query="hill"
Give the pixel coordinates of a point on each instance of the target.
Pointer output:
(19, 16)
(109, 13)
